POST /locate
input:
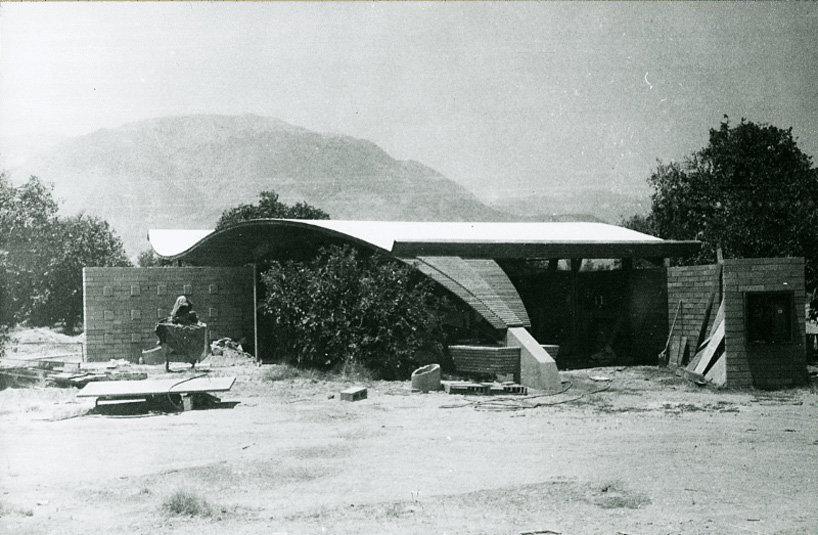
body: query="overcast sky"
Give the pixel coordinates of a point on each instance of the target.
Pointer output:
(497, 96)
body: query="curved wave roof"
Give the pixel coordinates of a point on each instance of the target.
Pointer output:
(250, 240)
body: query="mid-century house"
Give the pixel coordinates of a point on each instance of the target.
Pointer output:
(550, 295)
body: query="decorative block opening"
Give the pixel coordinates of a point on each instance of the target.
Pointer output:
(107, 291)
(213, 288)
(161, 289)
(136, 314)
(108, 315)
(135, 290)
(187, 289)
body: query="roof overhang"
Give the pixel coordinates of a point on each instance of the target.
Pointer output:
(250, 241)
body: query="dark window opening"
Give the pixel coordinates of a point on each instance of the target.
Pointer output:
(769, 317)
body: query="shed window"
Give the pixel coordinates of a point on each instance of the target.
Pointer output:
(769, 317)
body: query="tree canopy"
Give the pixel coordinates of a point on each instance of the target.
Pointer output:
(750, 191)
(269, 207)
(42, 255)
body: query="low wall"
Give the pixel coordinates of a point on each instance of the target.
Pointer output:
(123, 305)
(486, 360)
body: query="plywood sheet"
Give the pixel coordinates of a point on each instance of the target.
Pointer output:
(710, 349)
(718, 372)
(152, 387)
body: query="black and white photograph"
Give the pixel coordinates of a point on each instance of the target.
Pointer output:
(402, 268)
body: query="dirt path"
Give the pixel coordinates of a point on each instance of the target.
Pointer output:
(650, 455)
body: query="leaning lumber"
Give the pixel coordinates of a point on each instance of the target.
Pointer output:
(710, 350)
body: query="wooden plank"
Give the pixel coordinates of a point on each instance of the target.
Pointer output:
(718, 372)
(710, 350)
(719, 318)
(153, 387)
(683, 354)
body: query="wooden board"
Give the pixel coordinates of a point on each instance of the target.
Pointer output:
(710, 350)
(718, 372)
(151, 387)
(682, 354)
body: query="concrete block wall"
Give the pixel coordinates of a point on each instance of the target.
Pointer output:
(490, 360)
(763, 365)
(123, 305)
(748, 364)
(692, 286)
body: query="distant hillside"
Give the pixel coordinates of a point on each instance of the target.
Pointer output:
(599, 205)
(182, 172)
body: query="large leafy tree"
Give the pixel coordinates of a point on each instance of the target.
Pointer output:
(269, 207)
(345, 308)
(28, 213)
(42, 255)
(751, 191)
(78, 241)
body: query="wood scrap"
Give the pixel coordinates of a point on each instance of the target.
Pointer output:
(708, 310)
(717, 374)
(709, 351)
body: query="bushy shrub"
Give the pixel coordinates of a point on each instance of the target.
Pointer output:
(187, 503)
(345, 308)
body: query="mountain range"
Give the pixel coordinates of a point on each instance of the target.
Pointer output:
(183, 172)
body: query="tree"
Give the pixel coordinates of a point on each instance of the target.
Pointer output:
(269, 207)
(750, 191)
(345, 308)
(42, 255)
(28, 213)
(78, 241)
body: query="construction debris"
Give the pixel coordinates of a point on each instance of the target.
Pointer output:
(65, 373)
(483, 389)
(353, 394)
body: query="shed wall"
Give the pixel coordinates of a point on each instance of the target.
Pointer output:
(747, 364)
(123, 305)
(763, 365)
(688, 290)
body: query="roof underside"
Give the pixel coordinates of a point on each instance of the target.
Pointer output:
(458, 256)
(279, 238)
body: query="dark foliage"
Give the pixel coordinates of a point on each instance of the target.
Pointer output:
(750, 191)
(269, 207)
(42, 256)
(345, 308)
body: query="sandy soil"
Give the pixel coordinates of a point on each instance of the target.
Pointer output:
(649, 455)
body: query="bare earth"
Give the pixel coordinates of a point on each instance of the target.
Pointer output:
(649, 455)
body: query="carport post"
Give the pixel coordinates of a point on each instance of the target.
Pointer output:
(255, 315)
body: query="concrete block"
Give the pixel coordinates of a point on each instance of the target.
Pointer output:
(353, 394)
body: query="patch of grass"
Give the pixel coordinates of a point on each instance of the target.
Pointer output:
(283, 372)
(348, 372)
(355, 372)
(8, 510)
(186, 503)
(682, 407)
(613, 495)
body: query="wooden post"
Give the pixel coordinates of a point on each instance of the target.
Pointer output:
(256, 348)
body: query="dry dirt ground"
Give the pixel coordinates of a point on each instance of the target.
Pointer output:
(650, 454)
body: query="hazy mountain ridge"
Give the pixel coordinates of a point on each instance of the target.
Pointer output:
(183, 172)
